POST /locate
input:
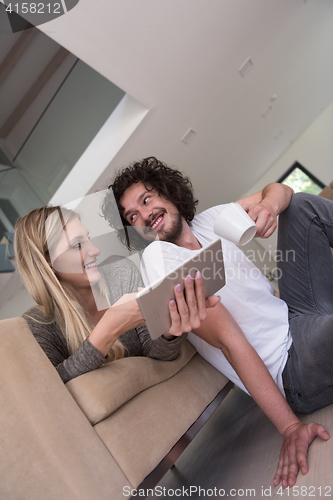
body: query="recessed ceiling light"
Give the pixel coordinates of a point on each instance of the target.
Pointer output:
(246, 67)
(278, 135)
(267, 110)
(187, 138)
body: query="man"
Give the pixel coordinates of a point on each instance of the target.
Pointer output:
(249, 328)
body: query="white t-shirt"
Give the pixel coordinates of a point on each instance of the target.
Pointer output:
(247, 295)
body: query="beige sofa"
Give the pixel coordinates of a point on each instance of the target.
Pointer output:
(101, 432)
(327, 192)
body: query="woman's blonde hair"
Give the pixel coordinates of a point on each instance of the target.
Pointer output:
(35, 233)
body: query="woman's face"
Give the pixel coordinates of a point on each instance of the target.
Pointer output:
(74, 256)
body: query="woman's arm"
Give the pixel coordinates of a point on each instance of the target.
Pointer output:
(124, 315)
(49, 336)
(123, 273)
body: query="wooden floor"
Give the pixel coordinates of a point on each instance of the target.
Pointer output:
(237, 453)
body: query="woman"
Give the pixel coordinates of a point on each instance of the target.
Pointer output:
(57, 262)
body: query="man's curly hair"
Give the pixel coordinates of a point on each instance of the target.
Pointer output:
(169, 183)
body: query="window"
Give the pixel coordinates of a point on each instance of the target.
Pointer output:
(300, 179)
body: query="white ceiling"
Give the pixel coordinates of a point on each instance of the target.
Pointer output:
(180, 59)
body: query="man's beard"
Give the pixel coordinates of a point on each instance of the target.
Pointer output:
(175, 230)
(171, 235)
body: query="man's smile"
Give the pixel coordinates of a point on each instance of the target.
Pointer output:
(155, 224)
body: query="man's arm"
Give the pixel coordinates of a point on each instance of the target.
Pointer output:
(221, 330)
(264, 207)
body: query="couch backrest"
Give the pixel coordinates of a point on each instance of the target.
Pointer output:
(48, 447)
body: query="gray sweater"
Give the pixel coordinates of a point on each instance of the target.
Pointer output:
(121, 276)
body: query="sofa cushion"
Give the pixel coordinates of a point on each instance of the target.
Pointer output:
(100, 392)
(141, 433)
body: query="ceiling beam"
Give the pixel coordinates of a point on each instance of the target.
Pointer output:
(33, 92)
(16, 52)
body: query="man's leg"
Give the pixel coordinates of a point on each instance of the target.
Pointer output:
(308, 374)
(306, 266)
(306, 285)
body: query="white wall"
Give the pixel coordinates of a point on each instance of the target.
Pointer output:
(313, 149)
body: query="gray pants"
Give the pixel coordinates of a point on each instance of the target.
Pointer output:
(306, 285)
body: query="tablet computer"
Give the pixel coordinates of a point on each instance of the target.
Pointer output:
(153, 300)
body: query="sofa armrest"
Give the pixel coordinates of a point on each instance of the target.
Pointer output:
(101, 392)
(48, 447)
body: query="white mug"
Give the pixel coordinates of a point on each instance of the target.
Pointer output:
(235, 225)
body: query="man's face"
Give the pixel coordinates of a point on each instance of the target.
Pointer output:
(151, 214)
